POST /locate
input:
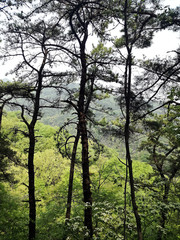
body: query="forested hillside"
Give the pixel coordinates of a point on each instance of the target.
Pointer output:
(89, 124)
(108, 175)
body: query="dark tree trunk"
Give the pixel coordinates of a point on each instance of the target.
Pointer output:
(125, 201)
(84, 142)
(163, 212)
(32, 202)
(133, 198)
(127, 92)
(131, 177)
(82, 39)
(71, 175)
(32, 142)
(1, 113)
(86, 178)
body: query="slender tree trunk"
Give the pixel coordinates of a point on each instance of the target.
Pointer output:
(82, 118)
(163, 212)
(84, 143)
(1, 113)
(85, 157)
(71, 175)
(133, 198)
(127, 93)
(128, 154)
(32, 142)
(32, 202)
(129, 160)
(86, 178)
(125, 199)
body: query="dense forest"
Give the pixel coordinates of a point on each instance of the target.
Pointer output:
(89, 125)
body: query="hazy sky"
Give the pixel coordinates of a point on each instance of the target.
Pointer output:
(163, 42)
(172, 3)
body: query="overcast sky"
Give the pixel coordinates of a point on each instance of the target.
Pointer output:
(163, 42)
(172, 3)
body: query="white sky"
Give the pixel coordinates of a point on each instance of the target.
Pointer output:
(171, 3)
(164, 41)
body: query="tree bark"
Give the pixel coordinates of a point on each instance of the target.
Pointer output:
(125, 200)
(84, 142)
(163, 212)
(32, 202)
(1, 113)
(127, 94)
(86, 178)
(32, 142)
(82, 39)
(131, 177)
(71, 175)
(129, 160)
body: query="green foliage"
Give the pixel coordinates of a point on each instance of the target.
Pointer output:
(156, 181)
(7, 156)
(108, 179)
(15, 89)
(163, 147)
(13, 216)
(103, 122)
(119, 42)
(100, 51)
